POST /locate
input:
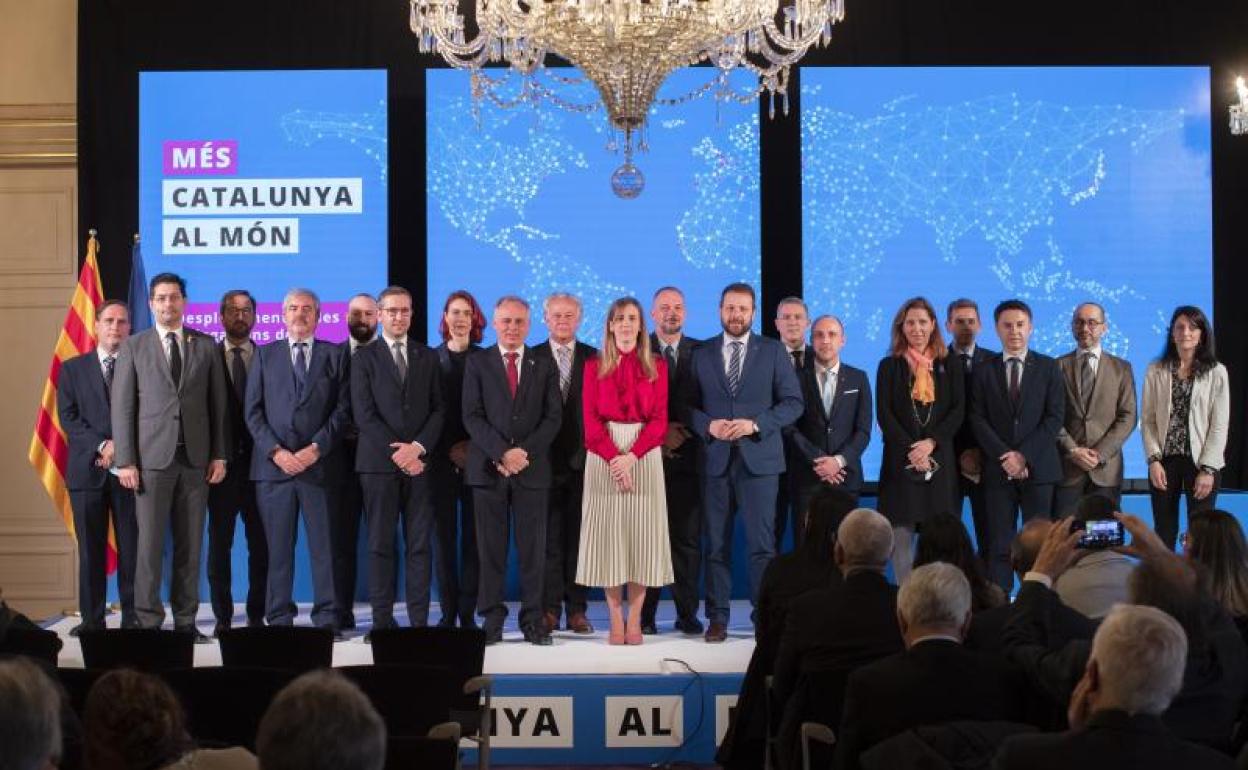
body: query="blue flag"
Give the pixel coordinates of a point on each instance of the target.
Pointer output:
(140, 313)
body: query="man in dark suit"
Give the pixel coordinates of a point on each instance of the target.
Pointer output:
(935, 680)
(835, 427)
(744, 392)
(296, 406)
(236, 494)
(82, 403)
(680, 466)
(396, 402)
(962, 323)
(1017, 404)
(1100, 413)
(171, 439)
(346, 496)
(792, 321)
(567, 465)
(512, 409)
(1133, 673)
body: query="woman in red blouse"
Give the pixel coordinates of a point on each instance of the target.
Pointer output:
(624, 508)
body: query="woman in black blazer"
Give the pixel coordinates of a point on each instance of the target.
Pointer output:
(920, 401)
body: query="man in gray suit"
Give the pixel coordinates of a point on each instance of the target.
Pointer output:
(1100, 414)
(170, 438)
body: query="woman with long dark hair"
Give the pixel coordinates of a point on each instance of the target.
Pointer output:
(1183, 421)
(944, 538)
(455, 545)
(920, 401)
(1215, 543)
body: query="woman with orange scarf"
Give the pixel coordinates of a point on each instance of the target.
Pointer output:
(920, 401)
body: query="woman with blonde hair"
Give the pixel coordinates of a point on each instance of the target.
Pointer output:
(624, 537)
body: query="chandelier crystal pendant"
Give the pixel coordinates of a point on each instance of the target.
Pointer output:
(1239, 110)
(626, 48)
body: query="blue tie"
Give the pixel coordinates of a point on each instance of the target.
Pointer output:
(734, 367)
(829, 384)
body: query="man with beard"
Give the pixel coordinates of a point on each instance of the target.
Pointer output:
(680, 465)
(744, 392)
(346, 497)
(236, 495)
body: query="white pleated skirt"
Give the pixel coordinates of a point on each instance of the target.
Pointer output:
(624, 534)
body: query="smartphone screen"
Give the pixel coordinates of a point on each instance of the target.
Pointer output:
(1101, 533)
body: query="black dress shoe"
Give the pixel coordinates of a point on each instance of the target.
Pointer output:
(78, 629)
(346, 621)
(447, 621)
(468, 622)
(718, 632)
(220, 629)
(539, 636)
(689, 626)
(649, 628)
(493, 634)
(255, 622)
(196, 636)
(130, 622)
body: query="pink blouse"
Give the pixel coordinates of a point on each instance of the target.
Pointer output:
(624, 396)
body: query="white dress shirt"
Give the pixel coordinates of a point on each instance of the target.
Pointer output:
(727, 349)
(502, 352)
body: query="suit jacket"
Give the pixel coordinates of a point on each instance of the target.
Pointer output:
(680, 380)
(988, 627)
(768, 393)
(845, 431)
(567, 451)
(82, 405)
(1110, 739)
(1031, 427)
(386, 410)
(933, 682)
(1208, 417)
(279, 416)
(497, 422)
(147, 409)
(1106, 422)
(965, 438)
(236, 411)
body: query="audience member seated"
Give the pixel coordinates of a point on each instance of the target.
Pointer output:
(30, 717)
(944, 538)
(1133, 673)
(1214, 543)
(832, 631)
(935, 680)
(1215, 680)
(133, 721)
(321, 721)
(811, 566)
(1068, 624)
(1098, 578)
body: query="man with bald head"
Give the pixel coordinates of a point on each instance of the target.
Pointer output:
(1100, 413)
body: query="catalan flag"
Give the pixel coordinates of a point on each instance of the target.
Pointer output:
(48, 447)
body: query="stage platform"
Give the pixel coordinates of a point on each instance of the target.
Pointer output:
(580, 701)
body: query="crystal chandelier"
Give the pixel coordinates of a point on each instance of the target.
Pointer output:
(626, 48)
(1239, 111)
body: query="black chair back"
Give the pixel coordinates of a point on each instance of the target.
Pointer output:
(224, 705)
(459, 650)
(77, 683)
(292, 648)
(145, 649)
(411, 699)
(31, 642)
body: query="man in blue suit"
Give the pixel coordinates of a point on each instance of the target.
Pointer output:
(82, 402)
(1018, 401)
(296, 408)
(835, 427)
(744, 392)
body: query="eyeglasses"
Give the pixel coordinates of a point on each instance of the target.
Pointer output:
(1090, 323)
(397, 312)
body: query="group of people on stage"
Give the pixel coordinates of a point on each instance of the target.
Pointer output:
(617, 468)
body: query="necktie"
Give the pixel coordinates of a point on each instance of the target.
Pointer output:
(1015, 367)
(400, 362)
(238, 374)
(670, 354)
(175, 359)
(513, 374)
(301, 366)
(110, 363)
(1087, 379)
(828, 389)
(797, 358)
(565, 371)
(966, 362)
(734, 367)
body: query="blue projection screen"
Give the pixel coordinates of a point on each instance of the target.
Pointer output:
(264, 180)
(520, 202)
(1053, 185)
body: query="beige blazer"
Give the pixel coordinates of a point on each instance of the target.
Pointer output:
(1106, 423)
(1208, 417)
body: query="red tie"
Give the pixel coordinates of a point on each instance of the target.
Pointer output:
(513, 374)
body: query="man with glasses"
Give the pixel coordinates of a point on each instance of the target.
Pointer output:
(1100, 413)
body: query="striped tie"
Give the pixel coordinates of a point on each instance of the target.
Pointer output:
(565, 371)
(734, 367)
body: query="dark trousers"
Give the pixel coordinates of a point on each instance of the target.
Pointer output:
(346, 513)
(234, 496)
(1004, 502)
(684, 530)
(388, 499)
(455, 552)
(1180, 477)
(755, 500)
(173, 499)
(1066, 498)
(281, 502)
(495, 506)
(979, 512)
(788, 510)
(563, 544)
(92, 510)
